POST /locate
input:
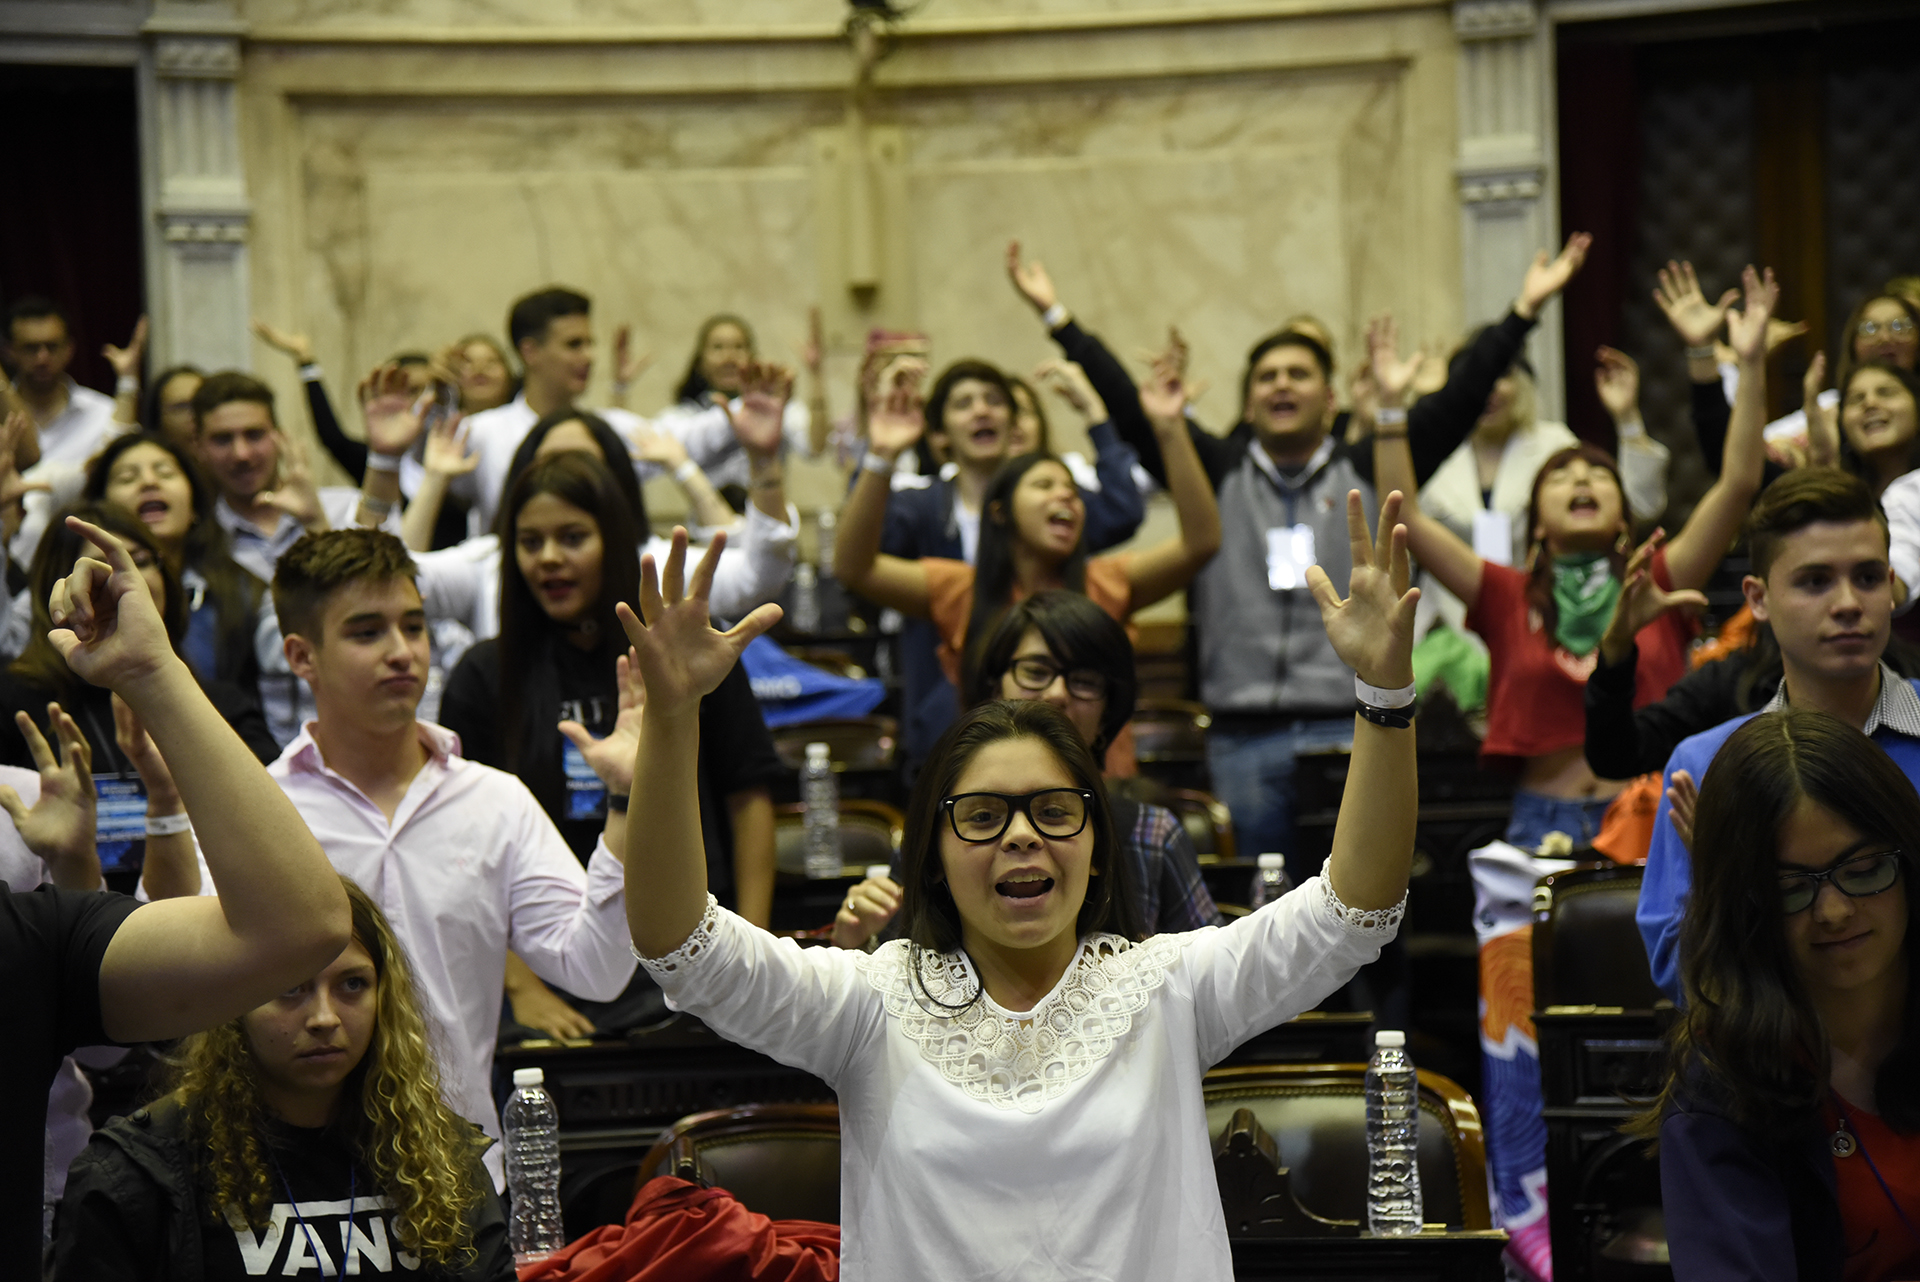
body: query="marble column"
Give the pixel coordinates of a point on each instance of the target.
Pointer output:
(199, 275)
(1505, 170)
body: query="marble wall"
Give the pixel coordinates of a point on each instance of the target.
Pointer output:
(413, 165)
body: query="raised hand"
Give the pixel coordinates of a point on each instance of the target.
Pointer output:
(612, 758)
(392, 412)
(655, 445)
(1642, 600)
(126, 360)
(1747, 328)
(296, 492)
(298, 346)
(104, 622)
(627, 364)
(1547, 277)
(15, 432)
(1823, 426)
(1068, 381)
(813, 353)
(680, 657)
(1687, 309)
(1617, 380)
(764, 390)
(1163, 398)
(446, 451)
(1372, 630)
(131, 734)
(896, 415)
(60, 826)
(867, 908)
(1390, 374)
(1030, 279)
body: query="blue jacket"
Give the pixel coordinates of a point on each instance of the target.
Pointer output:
(1663, 890)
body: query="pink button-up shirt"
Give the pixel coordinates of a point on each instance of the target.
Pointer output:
(469, 868)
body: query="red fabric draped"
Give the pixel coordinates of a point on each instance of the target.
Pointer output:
(680, 1232)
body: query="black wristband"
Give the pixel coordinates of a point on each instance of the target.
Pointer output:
(1391, 718)
(617, 801)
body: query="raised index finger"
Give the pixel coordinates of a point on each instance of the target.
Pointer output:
(112, 550)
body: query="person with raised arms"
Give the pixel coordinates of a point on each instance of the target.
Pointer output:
(86, 968)
(1007, 1070)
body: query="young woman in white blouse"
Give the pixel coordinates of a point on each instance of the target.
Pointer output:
(1007, 1072)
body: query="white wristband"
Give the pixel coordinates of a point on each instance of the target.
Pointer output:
(878, 464)
(1375, 697)
(383, 462)
(168, 825)
(1704, 352)
(310, 372)
(1055, 316)
(126, 385)
(1390, 416)
(687, 470)
(1631, 428)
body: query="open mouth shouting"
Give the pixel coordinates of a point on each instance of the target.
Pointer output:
(1023, 884)
(153, 511)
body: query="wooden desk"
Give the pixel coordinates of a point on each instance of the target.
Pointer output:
(1436, 1255)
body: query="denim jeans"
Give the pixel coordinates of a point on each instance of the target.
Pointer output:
(1253, 775)
(1535, 815)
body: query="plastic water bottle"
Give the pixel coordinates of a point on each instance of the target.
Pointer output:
(806, 599)
(531, 1128)
(828, 524)
(820, 792)
(1270, 882)
(1393, 1139)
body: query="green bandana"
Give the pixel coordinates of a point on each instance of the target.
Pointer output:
(1584, 592)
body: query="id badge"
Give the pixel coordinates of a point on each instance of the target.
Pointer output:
(1289, 553)
(1493, 537)
(120, 823)
(586, 795)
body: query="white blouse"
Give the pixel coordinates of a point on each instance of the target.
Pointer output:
(1066, 1142)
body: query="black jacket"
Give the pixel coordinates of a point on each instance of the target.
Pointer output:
(133, 1207)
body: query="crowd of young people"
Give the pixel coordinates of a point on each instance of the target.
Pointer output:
(462, 672)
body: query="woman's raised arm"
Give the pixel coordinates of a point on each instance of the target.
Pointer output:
(894, 423)
(1166, 568)
(681, 660)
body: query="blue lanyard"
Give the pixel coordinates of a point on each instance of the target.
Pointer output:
(1846, 1121)
(346, 1242)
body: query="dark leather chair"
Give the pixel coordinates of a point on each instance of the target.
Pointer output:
(1316, 1116)
(1208, 823)
(782, 1160)
(1587, 951)
(1170, 730)
(870, 833)
(854, 743)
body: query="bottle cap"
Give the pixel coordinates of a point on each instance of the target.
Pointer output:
(804, 573)
(1271, 862)
(1391, 1038)
(529, 1077)
(879, 870)
(821, 751)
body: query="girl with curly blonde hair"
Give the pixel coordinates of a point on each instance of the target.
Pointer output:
(308, 1133)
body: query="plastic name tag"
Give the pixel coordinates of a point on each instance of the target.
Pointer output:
(120, 823)
(1289, 553)
(586, 795)
(1493, 537)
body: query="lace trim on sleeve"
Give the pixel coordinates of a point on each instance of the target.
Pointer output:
(691, 949)
(1381, 923)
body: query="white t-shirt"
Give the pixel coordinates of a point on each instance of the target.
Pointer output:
(989, 1144)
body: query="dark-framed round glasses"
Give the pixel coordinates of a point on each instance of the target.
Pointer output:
(1036, 673)
(1859, 877)
(983, 816)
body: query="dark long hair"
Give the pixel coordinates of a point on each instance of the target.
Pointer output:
(40, 665)
(533, 645)
(150, 398)
(614, 453)
(993, 577)
(236, 594)
(1750, 1034)
(1850, 458)
(930, 920)
(1079, 634)
(1540, 563)
(694, 387)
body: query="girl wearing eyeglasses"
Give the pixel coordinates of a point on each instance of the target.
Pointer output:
(1790, 1125)
(1007, 1070)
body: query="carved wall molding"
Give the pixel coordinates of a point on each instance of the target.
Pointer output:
(1478, 189)
(1493, 19)
(196, 57)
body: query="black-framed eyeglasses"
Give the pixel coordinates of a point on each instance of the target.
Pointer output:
(1035, 673)
(1054, 812)
(1898, 327)
(1859, 878)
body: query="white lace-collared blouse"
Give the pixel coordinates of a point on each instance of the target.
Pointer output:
(1066, 1142)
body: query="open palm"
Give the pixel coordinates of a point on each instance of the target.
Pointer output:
(680, 656)
(1372, 630)
(612, 758)
(1747, 328)
(764, 390)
